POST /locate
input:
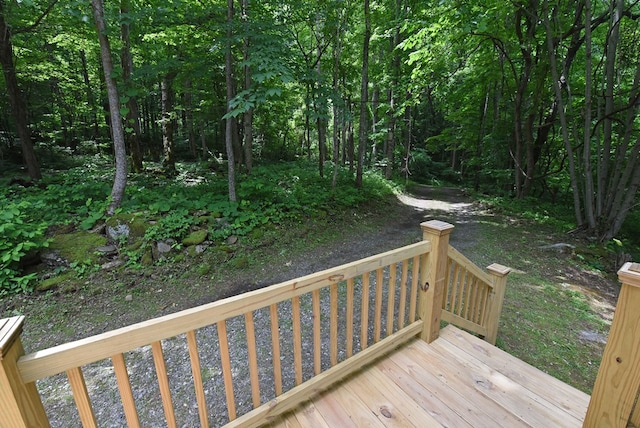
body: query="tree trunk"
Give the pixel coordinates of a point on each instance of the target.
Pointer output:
(247, 117)
(120, 153)
(563, 120)
(609, 104)
(589, 202)
(228, 136)
(169, 159)
(16, 99)
(393, 93)
(133, 113)
(92, 132)
(337, 117)
(188, 117)
(364, 96)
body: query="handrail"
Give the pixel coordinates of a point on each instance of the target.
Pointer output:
(473, 298)
(58, 359)
(412, 278)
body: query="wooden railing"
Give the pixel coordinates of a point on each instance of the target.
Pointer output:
(473, 298)
(360, 310)
(614, 400)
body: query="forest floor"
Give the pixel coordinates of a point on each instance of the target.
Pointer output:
(556, 312)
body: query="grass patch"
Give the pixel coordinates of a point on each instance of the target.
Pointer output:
(543, 324)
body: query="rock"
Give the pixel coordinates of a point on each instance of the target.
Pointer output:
(118, 232)
(560, 247)
(195, 238)
(52, 259)
(128, 297)
(232, 239)
(201, 248)
(163, 247)
(112, 265)
(107, 250)
(53, 282)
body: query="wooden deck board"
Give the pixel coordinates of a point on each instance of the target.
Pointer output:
(456, 381)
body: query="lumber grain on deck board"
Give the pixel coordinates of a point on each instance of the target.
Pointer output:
(533, 409)
(452, 402)
(572, 400)
(456, 381)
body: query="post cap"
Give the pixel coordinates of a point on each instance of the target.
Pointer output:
(10, 329)
(498, 269)
(437, 227)
(629, 273)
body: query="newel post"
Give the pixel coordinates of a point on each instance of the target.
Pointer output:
(618, 378)
(20, 404)
(496, 297)
(433, 272)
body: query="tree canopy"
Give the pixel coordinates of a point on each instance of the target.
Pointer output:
(534, 98)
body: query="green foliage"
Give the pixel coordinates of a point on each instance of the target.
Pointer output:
(558, 215)
(18, 237)
(194, 197)
(174, 225)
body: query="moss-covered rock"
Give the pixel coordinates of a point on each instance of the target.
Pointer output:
(78, 246)
(195, 238)
(54, 282)
(147, 258)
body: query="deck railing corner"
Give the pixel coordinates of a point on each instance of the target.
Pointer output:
(616, 388)
(20, 404)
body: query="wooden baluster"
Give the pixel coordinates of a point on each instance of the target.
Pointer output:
(20, 403)
(496, 298)
(378, 305)
(317, 338)
(391, 299)
(448, 288)
(253, 358)
(163, 382)
(618, 378)
(297, 339)
(432, 277)
(194, 357)
(126, 394)
(459, 284)
(455, 296)
(275, 345)
(403, 294)
(333, 328)
(226, 368)
(415, 278)
(350, 286)
(364, 312)
(81, 397)
(468, 279)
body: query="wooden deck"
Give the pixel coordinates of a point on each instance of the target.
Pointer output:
(456, 381)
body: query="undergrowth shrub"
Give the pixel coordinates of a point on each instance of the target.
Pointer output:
(19, 236)
(195, 197)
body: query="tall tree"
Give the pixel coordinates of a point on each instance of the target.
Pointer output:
(16, 98)
(363, 134)
(133, 112)
(228, 135)
(120, 153)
